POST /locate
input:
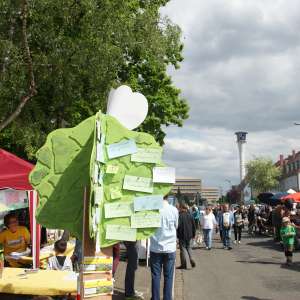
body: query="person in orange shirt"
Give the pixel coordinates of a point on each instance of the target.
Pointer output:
(14, 239)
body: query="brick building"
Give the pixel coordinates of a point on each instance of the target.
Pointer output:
(290, 166)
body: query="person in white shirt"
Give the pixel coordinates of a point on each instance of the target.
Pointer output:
(208, 222)
(60, 261)
(163, 252)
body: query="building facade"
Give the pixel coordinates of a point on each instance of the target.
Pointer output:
(211, 194)
(188, 187)
(191, 189)
(290, 166)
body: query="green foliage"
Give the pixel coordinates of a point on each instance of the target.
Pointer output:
(262, 174)
(80, 49)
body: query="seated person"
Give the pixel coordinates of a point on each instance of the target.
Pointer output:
(14, 239)
(60, 261)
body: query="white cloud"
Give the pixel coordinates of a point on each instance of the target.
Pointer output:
(241, 72)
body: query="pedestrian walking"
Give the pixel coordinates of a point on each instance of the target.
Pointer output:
(238, 225)
(196, 216)
(251, 219)
(132, 265)
(163, 252)
(277, 222)
(185, 233)
(208, 222)
(226, 222)
(288, 234)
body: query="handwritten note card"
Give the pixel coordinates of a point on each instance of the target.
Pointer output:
(125, 147)
(148, 203)
(147, 155)
(112, 169)
(96, 173)
(145, 220)
(118, 209)
(140, 184)
(100, 153)
(115, 192)
(98, 194)
(164, 174)
(120, 233)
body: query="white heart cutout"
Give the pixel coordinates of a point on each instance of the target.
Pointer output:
(129, 108)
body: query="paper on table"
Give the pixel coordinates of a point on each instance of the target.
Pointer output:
(164, 174)
(118, 209)
(125, 147)
(140, 184)
(112, 169)
(148, 202)
(147, 155)
(120, 233)
(145, 220)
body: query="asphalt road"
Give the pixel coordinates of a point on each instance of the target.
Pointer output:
(253, 270)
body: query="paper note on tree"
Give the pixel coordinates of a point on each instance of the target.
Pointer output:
(145, 220)
(148, 203)
(125, 147)
(112, 169)
(120, 233)
(115, 192)
(118, 209)
(98, 195)
(164, 175)
(147, 155)
(139, 184)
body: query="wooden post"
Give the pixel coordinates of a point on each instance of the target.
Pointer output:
(89, 249)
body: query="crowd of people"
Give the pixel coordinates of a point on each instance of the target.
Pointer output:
(181, 226)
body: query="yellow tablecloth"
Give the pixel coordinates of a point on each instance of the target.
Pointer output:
(44, 282)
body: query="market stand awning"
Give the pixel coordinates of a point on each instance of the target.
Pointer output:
(295, 197)
(14, 172)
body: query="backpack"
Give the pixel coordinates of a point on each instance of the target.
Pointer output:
(226, 219)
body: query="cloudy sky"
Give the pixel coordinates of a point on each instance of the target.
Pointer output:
(241, 72)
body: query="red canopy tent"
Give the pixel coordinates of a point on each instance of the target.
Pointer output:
(14, 173)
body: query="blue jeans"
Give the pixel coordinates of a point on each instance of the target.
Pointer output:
(159, 261)
(207, 233)
(226, 233)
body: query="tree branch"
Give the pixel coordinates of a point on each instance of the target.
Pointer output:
(27, 57)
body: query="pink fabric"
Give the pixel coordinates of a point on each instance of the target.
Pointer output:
(14, 172)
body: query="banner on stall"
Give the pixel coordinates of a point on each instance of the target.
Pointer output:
(97, 264)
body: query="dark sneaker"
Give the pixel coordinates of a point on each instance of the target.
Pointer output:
(137, 296)
(193, 264)
(181, 268)
(229, 248)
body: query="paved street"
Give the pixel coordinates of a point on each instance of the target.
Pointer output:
(251, 271)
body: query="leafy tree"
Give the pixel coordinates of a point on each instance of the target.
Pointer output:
(262, 174)
(77, 50)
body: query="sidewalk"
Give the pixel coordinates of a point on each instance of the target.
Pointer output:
(143, 281)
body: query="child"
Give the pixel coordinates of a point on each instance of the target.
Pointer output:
(288, 233)
(60, 261)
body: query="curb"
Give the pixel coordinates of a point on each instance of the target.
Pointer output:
(178, 284)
